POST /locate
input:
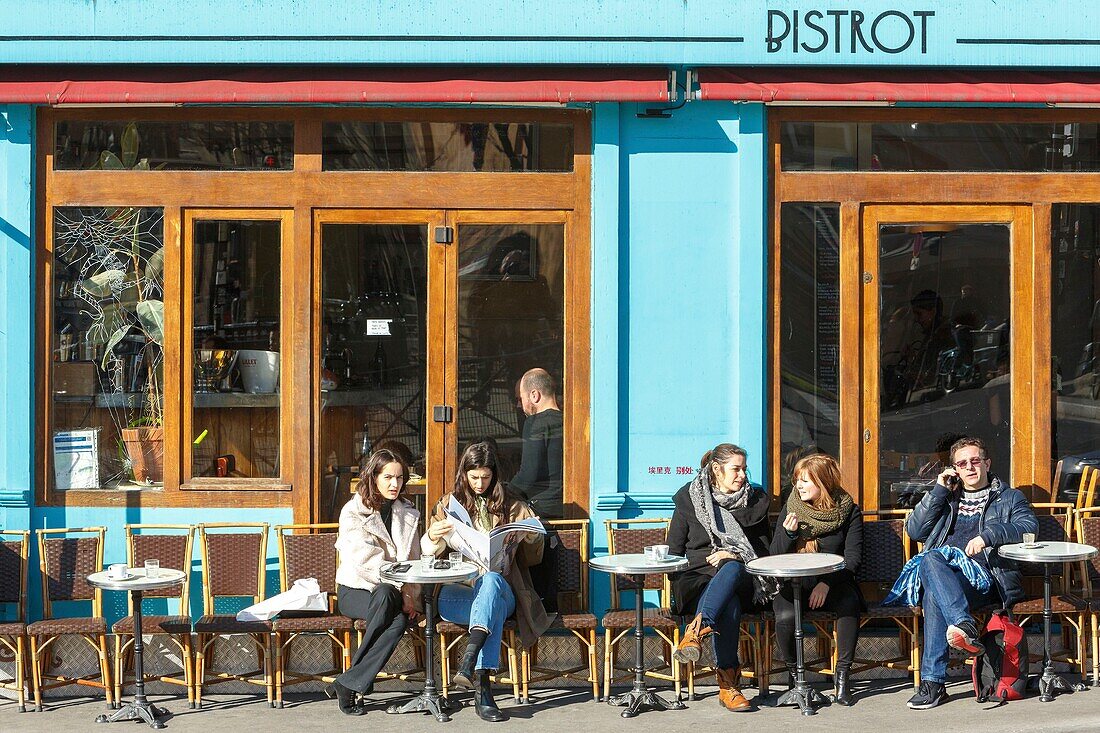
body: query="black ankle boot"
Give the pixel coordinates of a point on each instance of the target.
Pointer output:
(841, 684)
(484, 704)
(347, 699)
(464, 675)
(790, 677)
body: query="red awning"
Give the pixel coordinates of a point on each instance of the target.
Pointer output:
(776, 86)
(327, 85)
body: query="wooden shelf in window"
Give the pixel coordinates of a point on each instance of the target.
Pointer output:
(133, 400)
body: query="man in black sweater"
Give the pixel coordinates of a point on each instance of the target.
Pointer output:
(540, 469)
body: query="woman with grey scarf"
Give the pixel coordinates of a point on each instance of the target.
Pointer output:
(720, 523)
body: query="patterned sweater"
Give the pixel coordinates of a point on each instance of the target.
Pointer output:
(965, 528)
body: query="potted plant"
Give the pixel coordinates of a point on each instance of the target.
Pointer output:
(123, 288)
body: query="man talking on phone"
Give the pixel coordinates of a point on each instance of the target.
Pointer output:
(971, 509)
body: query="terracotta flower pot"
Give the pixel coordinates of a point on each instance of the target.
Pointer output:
(145, 448)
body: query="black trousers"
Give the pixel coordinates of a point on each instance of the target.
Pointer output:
(843, 600)
(381, 609)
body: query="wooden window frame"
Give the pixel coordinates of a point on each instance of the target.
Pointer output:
(853, 191)
(301, 193)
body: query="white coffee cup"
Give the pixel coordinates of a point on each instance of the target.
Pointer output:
(118, 571)
(660, 552)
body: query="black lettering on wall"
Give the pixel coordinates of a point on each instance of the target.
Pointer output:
(891, 31)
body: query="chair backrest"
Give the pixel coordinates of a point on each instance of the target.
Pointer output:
(572, 564)
(1086, 489)
(1088, 532)
(1055, 524)
(172, 545)
(66, 558)
(886, 547)
(308, 551)
(627, 536)
(234, 561)
(15, 548)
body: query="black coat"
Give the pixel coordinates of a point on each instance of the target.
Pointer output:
(687, 536)
(846, 541)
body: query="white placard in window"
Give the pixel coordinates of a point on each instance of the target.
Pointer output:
(378, 326)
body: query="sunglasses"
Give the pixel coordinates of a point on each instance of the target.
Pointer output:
(973, 463)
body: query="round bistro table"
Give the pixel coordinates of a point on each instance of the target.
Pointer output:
(137, 582)
(1049, 553)
(637, 567)
(795, 566)
(429, 700)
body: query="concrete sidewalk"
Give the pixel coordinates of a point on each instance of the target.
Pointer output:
(880, 706)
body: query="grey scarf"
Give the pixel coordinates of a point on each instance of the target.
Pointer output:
(730, 537)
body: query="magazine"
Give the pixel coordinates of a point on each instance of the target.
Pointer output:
(492, 551)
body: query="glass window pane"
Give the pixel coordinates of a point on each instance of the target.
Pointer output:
(1075, 342)
(107, 332)
(235, 318)
(511, 292)
(373, 334)
(174, 146)
(447, 146)
(937, 146)
(809, 339)
(944, 306)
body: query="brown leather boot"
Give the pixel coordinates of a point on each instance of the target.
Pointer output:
(729, 692)
(689, 648)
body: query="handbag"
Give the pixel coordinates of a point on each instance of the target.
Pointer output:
(304, 598)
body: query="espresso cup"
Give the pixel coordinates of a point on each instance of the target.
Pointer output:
(118, 571)
(660, 552)
(1029, 539)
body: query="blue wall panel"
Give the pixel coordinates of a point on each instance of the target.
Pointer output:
(679, 305)
(16, 320)
(1009, 33)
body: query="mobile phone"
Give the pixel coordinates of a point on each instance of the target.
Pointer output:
(953, 481)
(401, 567)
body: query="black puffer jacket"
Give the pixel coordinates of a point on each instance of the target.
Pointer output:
(1007, 515)
(687, 536)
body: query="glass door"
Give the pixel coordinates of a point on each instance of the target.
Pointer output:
(378, 324)
(945, 329)
(506, 348)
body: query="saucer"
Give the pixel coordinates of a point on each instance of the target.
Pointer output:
(1031, 545)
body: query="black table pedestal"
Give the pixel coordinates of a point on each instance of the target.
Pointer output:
(140, 709)
(640, 696)
(1050, 682)
(428, 701)
(802, 695)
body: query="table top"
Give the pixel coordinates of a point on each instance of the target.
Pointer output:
(796, 564)
(1050, 552)
(463, 571)
(137, 580)
(637, 564)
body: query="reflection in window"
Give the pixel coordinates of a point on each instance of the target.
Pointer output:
(235, 368)
(511, 293)
(447, 146)
(1075, 342)
(178, 146)
(373, 350)
(809, 339)
(937, 146)
(944, 307)
(106, 343)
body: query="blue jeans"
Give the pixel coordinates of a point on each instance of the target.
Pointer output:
(484, 606)
(946, 600)
(720, 607)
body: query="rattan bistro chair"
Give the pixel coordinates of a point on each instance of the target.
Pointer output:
(309, 551)
(66, 562)
(234, 565)
(171, 545)
(13, 592)
(573, 614)
(1088, 532)
(631, 536)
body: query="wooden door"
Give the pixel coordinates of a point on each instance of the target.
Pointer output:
(946, 344)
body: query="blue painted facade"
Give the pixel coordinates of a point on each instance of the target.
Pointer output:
(679, 205)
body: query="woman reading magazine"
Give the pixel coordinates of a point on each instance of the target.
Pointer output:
(495, 595)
